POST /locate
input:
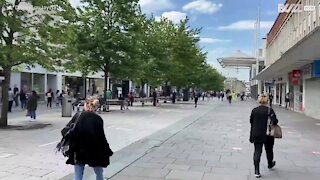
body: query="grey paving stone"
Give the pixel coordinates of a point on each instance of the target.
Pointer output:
(162, 160)
(231, 171)
(204, 169)
(134, 178)
(142, 172)
(149, 165)
(185, 175)
(210, 176)
(39, 172)
(191, 162)
(177, 167)
(20, 170)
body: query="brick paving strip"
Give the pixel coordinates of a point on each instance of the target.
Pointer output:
(213, 145)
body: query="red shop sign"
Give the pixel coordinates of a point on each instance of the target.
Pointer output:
(296, 74)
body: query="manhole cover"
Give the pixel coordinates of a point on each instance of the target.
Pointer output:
(33, 126)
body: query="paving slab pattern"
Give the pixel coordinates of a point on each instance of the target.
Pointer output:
(217, 146)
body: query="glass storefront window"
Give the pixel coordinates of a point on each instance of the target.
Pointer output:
(26, 82)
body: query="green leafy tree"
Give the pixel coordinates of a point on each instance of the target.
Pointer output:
(106, 33)
(32, 32)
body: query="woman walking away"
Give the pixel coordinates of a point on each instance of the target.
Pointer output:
(23, 99)
(32, 105)
(88, 144)
(49, 95)
(258, 134)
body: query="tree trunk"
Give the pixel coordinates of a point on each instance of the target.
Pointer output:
(142, 92)
(5, 95)
(106, 86)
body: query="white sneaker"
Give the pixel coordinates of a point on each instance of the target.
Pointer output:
(33, 120)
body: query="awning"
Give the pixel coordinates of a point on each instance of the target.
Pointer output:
(302, 53)
(237, 60)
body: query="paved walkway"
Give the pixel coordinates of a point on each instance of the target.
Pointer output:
(29, 154)
(216, 145)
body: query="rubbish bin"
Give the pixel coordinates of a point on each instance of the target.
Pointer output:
(67, 106)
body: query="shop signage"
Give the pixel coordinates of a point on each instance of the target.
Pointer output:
(307, 71)
(296, 74)
(316, 67)
(295, 77)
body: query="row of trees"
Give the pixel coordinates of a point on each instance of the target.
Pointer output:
(112, 36)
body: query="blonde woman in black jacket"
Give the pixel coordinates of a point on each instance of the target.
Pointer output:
(89, 145)
(258, 134)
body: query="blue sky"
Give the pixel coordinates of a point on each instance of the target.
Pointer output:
(227, 24)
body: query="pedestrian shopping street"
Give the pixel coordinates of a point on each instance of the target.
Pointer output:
(214, 144)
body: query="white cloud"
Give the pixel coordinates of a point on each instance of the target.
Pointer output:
(153, 6)
(202, 6)
(212, 40)
(246, 25)
(174, 16)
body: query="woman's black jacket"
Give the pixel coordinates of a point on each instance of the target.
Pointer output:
(259, 120)
(89, 145)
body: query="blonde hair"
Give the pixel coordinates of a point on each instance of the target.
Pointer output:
(263, 99)
(92, 103)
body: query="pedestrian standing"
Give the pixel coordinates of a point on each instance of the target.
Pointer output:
(196, 98)
(32, 105)
(23, 99)
(131, 98)
(270, 99)
(229, 95)
(174, 96)
(259, 125)
(154, 95)
(88, 144)
(287, 100)
(16, 95)
(50, 96)
(10, 99)
(57, 98)
(121, 100)
(222, 95)
(203, 95)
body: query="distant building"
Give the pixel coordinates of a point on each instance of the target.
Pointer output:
(235, 85)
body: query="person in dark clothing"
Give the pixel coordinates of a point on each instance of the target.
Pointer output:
(287, 100)
(229, 95)
(32, 105)
(50, 96)
(196, 98)
(131, 98)
(121, 99)
(88, 144)
(174, 96)
(154, 95)
(16, 95)
(222, 95)
(258, 134)
(23, 99)
(270, 99)
(10, 99)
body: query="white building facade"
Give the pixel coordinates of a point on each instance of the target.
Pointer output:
(293, 59)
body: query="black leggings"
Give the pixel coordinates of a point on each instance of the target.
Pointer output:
(268, 145)
(49, 103)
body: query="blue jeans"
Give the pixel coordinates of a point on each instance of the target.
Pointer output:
(23, 104)
(79, 168)
(32, 114)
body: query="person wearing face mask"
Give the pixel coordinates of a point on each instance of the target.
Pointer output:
(88, 145)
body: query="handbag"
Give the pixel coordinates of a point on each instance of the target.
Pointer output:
(273, 130)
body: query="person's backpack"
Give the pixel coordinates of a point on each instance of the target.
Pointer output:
(67, 133)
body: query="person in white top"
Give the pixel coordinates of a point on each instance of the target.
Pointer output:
(10, 99)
